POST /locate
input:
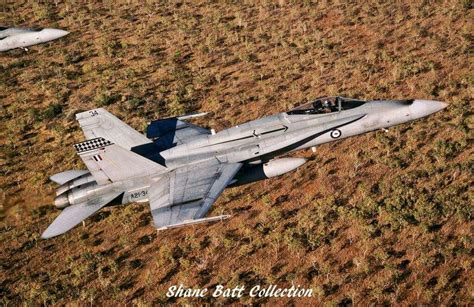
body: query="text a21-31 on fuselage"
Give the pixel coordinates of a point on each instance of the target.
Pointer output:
(181, 169)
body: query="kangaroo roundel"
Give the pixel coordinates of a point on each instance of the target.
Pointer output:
(336, 133)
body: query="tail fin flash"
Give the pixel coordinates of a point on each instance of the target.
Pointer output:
(100, 123)
(109, 162)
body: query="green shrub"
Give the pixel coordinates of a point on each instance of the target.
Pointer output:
(106, 99)
(34, 114)
(447, 149)
(135, 102)
(52, 111)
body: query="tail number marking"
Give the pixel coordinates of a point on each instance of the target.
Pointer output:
(138, 195)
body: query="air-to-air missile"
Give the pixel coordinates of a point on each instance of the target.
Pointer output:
(11, 38)
(181, 169)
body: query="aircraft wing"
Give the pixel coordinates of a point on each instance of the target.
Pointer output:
(73, 215)
(187, 194)
(173, 131)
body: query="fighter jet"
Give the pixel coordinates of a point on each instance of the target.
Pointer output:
(181, 169)
(11, 38)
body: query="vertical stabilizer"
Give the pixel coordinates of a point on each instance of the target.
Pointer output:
(109, 162)
(99, 123)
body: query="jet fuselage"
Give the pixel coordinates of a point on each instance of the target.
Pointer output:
(271, 136)
(257, 142)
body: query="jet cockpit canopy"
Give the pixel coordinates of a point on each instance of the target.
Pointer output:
(326, 105)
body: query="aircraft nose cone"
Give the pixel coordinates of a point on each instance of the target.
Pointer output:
(421, 108)
(61, 33)
(56, 33)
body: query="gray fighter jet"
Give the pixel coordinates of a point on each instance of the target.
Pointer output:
(181, 169)
(11, 38)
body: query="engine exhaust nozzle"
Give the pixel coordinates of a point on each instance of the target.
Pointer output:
(61, 201)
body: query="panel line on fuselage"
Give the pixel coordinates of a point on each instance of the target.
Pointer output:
(311, 137)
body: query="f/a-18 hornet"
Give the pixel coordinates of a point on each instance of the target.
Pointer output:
(11, 38)
(181, 169)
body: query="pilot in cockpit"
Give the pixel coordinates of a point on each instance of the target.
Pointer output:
(326, 106)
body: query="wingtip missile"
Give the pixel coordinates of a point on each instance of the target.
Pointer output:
(196, 221)
(192, 115)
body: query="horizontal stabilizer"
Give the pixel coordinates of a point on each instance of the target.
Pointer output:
(62, 178)
(73, 215)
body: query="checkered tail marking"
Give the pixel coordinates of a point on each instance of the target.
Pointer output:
(92, 145)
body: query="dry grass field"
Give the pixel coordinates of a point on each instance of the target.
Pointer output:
(382, 218)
